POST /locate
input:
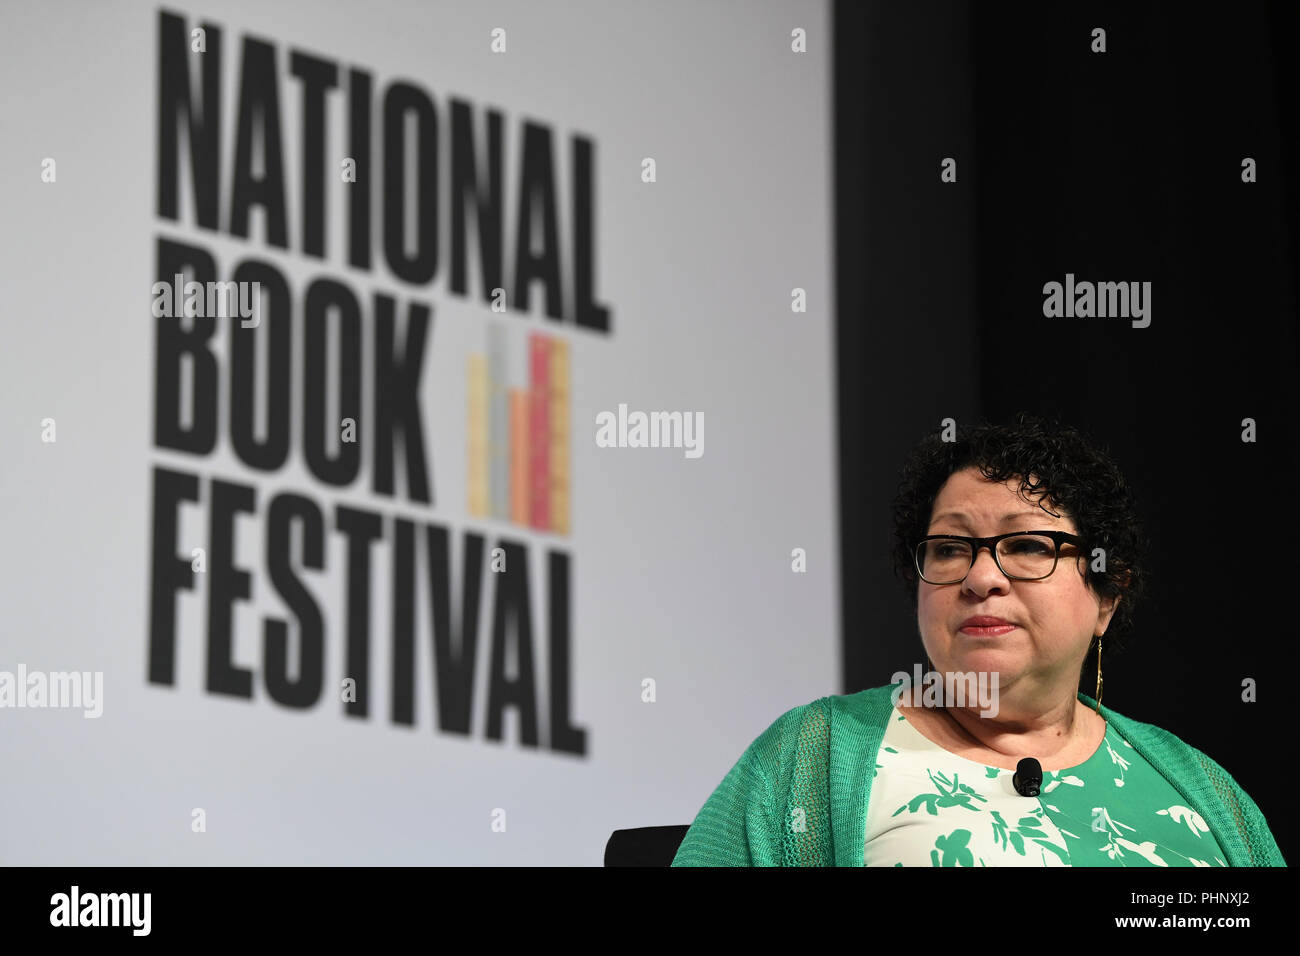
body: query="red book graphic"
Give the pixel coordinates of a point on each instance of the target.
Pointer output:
(560, 455)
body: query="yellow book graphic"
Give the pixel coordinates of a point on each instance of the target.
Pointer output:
(477, 429)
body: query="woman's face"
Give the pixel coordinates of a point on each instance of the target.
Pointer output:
(1055, 618)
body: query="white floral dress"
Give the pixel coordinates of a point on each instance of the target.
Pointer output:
(929, 807)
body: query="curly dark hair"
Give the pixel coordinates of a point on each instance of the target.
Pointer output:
(1071, 474)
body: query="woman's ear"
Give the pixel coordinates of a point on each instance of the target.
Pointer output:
(1107, 611)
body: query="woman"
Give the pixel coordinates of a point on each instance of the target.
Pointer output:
(1020, 547)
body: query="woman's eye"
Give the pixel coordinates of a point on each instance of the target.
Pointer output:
(1029, 547)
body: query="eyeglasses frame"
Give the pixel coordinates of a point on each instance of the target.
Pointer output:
(979, 544)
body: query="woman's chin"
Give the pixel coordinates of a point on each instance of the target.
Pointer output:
(986, 660)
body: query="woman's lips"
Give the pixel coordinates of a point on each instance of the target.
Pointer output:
(983, 625)
(994, 631)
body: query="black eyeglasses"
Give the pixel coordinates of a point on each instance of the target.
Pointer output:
(1020, 555)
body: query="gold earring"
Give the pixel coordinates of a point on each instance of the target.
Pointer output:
(1098, 674)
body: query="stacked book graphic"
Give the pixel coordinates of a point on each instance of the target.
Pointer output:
(519, 430)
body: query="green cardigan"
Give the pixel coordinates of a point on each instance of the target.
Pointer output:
(821, 757)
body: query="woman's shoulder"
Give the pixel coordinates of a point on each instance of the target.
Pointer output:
(1194, 766)
(1157, 742)
(805, 729)
(867, 708)
(871, 706)
(794, 723)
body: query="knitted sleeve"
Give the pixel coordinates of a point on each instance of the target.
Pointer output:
(1247, 815)
(743, 822)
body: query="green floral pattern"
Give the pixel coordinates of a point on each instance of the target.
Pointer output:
(929, 807)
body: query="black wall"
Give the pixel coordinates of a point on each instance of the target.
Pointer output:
(1115, 166)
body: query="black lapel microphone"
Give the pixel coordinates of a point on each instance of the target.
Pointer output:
(1028, 777)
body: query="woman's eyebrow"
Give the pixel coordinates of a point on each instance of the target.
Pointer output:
(963, 517)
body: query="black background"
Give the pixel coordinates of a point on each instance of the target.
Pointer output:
(1115, 166)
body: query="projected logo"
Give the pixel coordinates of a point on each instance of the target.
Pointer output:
(308, 499)
(519, 451)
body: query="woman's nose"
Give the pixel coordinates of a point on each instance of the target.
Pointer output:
(985, 573)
